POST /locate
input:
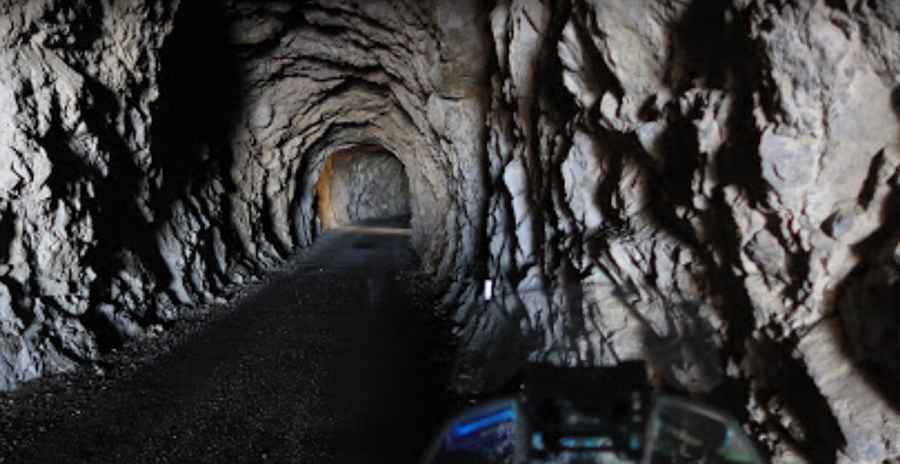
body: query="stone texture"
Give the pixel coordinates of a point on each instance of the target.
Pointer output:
(360, 185)
(709, 185)
(149, 166)
(78, 83)
(723, 180)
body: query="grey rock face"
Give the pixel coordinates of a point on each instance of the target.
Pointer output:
(723, 180)
(78, 83)
(357, 186)
(712, 186)
(149, 165)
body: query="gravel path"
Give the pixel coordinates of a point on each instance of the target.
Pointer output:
(334, 360)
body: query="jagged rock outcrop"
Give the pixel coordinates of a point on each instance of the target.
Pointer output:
(334, 76)
(709, 185)
(151, 165)
(78, 83)
(724, 187)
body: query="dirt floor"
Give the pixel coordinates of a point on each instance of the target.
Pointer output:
(337, 358)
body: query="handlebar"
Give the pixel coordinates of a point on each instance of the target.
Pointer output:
(592, 415)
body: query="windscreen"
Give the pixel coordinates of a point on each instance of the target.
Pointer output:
(680, 431)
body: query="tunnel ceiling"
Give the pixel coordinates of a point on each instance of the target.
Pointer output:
(711, 186)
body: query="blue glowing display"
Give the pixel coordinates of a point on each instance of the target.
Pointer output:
(462, 429)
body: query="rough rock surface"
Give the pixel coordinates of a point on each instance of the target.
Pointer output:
(358, 186)
(78, 85)
(148, 165)
(724, 187)
(710, 185)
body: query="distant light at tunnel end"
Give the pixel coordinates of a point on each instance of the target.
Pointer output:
(375, 230)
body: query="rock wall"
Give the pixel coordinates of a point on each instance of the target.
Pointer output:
(712, 186)
(331, 76)
(356, 186)
(709, 185)
(78, 83)
(150, 165)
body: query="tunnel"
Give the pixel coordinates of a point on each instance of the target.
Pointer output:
(363, 185)
(230, 194)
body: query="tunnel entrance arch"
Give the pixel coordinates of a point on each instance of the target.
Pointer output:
(363, 185)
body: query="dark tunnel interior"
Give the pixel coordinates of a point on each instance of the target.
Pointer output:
(363, 185)
(313, 231)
